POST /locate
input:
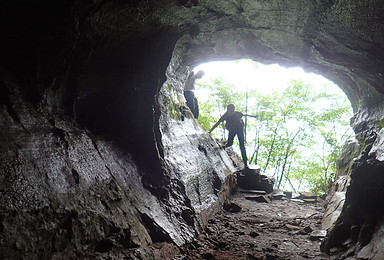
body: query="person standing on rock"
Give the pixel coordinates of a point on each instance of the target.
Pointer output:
(235, 126)
(189, 92)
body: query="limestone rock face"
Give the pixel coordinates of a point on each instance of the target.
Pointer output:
(336, 197)
(360, 220)
(94, 154)
(66, 192)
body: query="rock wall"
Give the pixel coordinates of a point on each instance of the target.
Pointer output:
(92, 161)
(190, 153)
(67, 193)
(94, 153)
(336, 197)
(357, 231)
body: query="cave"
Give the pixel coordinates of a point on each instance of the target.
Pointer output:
(94, 155)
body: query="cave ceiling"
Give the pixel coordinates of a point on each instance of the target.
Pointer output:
(341, 40)
(63, 42)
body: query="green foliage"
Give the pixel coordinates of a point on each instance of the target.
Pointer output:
(221, 94)
(298, 135)
(205, 116)
(310, 172)
(173, 108)
(380, 124)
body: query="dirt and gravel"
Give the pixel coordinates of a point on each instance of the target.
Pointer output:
(246, 229)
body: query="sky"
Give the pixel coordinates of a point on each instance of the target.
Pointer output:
(264, 78)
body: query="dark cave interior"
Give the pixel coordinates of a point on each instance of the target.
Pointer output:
(82, 87)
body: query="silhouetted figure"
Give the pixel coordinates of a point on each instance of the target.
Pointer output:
(189, 92)
(235, 126)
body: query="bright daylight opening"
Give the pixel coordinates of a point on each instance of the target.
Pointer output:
(302, 119)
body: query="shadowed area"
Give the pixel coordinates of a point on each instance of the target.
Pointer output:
(94, 154)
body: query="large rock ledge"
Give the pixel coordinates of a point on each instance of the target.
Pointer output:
(67, 193)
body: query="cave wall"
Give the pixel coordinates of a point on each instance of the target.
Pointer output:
(94, 152)
(357, 231)
(83, 168)
(190, 153)
(66, 192)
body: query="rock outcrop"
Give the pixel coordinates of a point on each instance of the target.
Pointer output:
(357, 230)
(94, 154)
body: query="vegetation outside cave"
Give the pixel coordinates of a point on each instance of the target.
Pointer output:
(300, 129)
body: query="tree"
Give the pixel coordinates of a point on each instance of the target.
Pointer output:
(221, 94)
(297, 136)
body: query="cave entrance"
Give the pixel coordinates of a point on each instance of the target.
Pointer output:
(302, 124)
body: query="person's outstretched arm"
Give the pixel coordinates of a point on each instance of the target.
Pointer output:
(214, 126)
(254, 116)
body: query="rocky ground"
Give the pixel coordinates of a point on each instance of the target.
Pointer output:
(246, 229)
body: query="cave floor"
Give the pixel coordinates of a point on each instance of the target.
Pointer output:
(277, 230)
